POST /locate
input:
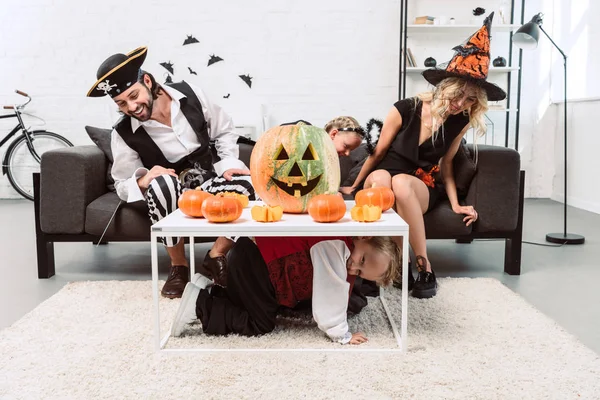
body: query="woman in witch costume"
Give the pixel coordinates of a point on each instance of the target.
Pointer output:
(420, 138)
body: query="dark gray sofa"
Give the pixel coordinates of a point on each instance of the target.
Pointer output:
(73, 202)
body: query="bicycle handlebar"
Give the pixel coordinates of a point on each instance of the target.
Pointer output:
(19, 106)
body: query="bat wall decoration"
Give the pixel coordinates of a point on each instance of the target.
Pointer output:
(168, 79)
(192, 71)
(168, 66)
(190, 40)
(214, 59)
(247, 78)
(227, 96)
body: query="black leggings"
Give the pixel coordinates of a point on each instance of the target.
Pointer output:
(248, 306)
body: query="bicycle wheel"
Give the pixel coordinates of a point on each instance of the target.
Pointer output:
(21, 163)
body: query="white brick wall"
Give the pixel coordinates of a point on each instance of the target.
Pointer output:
(309, 60)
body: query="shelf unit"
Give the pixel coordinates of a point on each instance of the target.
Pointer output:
(492, 70)
(427, 37)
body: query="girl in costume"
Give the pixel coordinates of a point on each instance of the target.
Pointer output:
(280, 272)
(420, 138)
(346, 133)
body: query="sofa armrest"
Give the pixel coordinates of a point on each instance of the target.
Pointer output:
(494, 191)
(71, 178)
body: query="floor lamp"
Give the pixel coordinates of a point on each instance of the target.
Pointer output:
(527, 38)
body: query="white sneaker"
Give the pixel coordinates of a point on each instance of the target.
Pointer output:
(186, 313)
(201, 281)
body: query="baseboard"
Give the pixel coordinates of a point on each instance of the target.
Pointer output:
(592, 206)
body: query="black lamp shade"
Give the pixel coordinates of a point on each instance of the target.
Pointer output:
(527, 36)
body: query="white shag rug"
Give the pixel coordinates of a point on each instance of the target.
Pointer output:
(476, 339)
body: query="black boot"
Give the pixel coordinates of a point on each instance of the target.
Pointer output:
(426, 285)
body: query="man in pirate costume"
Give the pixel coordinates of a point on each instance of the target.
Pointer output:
(419, 139)
(163, 145)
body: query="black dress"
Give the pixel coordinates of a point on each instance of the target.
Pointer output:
(405, 156)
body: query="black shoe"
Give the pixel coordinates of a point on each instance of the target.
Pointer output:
(411, 279)
(425, 285)
(179, 276)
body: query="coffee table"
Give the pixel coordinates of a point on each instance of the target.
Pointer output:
(178, 224)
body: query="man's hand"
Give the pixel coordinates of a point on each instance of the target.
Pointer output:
(155, 172)
(358, 338)
(228, 175)
(346, 189)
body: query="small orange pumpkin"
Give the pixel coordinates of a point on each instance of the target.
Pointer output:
(266, 213)
(241, 197)
(365, 213)
(221, 209)
(327, 207)
(376, 196)
(190, 202)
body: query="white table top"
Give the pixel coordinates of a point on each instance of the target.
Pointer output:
(178, 224)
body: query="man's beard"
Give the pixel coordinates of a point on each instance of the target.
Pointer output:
(148, 106)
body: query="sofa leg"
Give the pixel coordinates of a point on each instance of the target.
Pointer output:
(45, 249)
(512, 248)
(512, 256)
(45, 258)
(465, 240)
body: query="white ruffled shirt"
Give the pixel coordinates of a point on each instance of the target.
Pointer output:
(330, 289)
(175, 142)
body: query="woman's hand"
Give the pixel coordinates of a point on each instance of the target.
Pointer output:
(346, 189)
(358, 338)
(469, 211)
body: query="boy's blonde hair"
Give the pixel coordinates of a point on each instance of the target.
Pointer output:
(344, 122)
(387, 245)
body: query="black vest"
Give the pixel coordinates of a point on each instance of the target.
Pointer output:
(150, 153)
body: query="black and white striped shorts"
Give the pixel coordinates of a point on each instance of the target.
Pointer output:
(164, 191)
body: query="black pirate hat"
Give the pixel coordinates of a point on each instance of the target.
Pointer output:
(117, 73)
(471, 62)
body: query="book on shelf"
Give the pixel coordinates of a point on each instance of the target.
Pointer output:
(411, 57)
(424, 20)
(407, 61)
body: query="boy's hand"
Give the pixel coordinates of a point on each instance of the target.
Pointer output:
(358, 338)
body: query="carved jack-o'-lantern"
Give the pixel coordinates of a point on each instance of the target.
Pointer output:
(290, 164)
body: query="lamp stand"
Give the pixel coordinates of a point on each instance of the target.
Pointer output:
(564, 237)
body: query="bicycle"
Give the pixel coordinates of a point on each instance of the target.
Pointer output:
(24, 155)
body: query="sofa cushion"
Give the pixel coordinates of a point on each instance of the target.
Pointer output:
(443, 223)
(350, 166)
(464, 169)
(101, 137)
(131, 221)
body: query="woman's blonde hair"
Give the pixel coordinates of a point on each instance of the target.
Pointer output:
(387, 245)
(344, 122)
(446, 91)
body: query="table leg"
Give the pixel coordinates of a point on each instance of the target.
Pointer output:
(390, 318)
(192, 258)
(404, 321)
(154, 255)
